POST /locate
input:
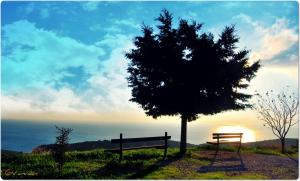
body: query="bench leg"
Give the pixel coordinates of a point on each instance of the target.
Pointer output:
(165, 153)
(121, 154)
(215, 156)
(217, 150)
(166, 144)
(239, 147)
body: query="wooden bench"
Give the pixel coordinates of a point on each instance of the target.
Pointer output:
(122, 140)
(224, 138)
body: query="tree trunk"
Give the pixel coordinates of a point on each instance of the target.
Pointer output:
(282, 145)
(183, 135)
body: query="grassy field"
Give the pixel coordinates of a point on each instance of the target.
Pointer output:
(138, 164)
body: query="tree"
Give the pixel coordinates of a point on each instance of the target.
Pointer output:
(61, 145)
(181, 72)
(278, 113)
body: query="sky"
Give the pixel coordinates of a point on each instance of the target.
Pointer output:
(65, 60)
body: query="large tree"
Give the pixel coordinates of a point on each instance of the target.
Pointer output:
(182, 72)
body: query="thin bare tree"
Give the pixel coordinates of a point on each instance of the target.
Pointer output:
(279, 112)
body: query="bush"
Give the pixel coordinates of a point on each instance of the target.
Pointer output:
(60, 147)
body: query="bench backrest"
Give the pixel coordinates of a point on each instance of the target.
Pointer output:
(227, 135)
(142, 139)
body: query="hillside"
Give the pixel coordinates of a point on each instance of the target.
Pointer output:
(198, 163)
(273, 143)
(105, 144)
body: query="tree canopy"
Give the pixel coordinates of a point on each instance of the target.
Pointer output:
(184, 72)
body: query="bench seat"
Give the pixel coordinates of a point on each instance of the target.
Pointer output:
(221, 142)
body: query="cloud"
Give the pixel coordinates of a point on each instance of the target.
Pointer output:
(43, 100)
(113, 29)
(90, 6)
(126, 22)
(288, 58)
(37, 63)
(114, 40)
(12, 103)
(118, 25)
(274, 78)
(44, 13)
(29, 8)
(111, 83)
(268, 42)
(35, 57)
(42, 9)
(96, 27)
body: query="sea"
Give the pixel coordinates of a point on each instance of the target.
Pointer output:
(25, 135)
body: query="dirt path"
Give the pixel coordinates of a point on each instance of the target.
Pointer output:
(274, 167)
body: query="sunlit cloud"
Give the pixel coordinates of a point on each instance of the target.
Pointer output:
(270, 40)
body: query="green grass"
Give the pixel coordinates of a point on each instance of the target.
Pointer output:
(136, 164)
(174, 173)
(291, 152)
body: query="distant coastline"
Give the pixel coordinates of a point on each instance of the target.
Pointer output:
(105, 144)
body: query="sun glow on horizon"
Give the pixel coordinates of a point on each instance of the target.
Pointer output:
(248, 135)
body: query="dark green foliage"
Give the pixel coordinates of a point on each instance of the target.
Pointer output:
(180, 71)
(60, 147)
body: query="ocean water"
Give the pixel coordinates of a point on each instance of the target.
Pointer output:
(25, 135)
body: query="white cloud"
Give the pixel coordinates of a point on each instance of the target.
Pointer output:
(127, 22)
(113, 29)
(43, 100)
(268, 41)
(114, 41)
(190, 15)
(109, 90)
(36, 59)
(116, 26)
(11, 103)
(274, 78)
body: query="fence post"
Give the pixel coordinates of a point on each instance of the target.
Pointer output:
(166, 144)
(121, 147)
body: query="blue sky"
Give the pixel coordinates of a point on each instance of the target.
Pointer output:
(65, 60)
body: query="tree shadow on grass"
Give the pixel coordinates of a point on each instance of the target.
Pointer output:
(225, 164)
(134, 166)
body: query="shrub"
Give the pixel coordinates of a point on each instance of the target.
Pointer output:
(60, 147)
